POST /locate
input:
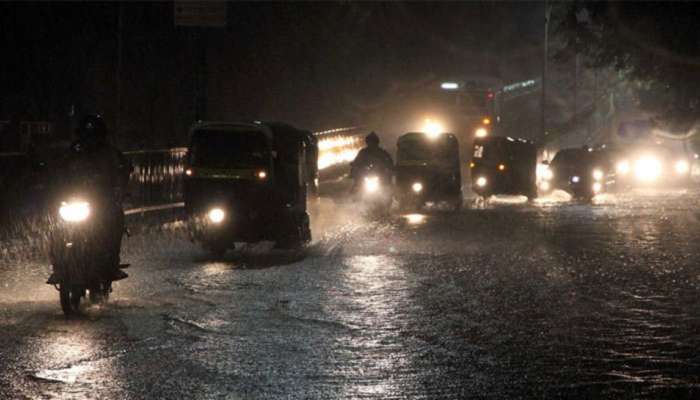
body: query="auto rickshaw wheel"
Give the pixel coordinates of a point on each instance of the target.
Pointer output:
(295, 234)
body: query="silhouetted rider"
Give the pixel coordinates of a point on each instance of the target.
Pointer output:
(371, 156)
(91, 155)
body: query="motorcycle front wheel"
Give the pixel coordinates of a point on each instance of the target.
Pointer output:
(70, 298)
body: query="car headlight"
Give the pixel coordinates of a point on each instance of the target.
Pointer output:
(597, 174)
(74, 211)
(647, 169)
(371, 184)
(597, 187)
(417, 187)
(216, 215)
(682, 167)
(623, 167)
(481, 181)
(481, 132)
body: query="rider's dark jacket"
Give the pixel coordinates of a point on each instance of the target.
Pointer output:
(371, 155)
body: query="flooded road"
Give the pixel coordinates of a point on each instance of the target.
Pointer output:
(554, 299)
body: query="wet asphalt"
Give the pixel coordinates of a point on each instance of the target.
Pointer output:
(552, 299)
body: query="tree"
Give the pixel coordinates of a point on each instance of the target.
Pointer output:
(652, 45)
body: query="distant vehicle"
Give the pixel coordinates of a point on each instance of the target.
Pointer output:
(581, 172)
(649, 166)
(503, 165)
(428, 170)
(247, 182)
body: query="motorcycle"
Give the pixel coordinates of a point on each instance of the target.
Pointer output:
(373, 189)
(84, 245)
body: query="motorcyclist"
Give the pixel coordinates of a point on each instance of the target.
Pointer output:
(92, 154)
(372, 155)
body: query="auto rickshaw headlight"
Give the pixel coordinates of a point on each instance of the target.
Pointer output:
(481, 181)
(417, 187)
(74, 211)
(597, 174)
(216, 215)
(682, 167)
(371, 184)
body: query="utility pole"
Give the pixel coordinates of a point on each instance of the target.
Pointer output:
(120, 45)
(576, 72)
(543, 101)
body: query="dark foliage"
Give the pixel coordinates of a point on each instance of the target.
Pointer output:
(654, 45)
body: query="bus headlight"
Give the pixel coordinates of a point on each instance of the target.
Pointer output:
(216, 215)
(481, 181)
(74, 211)
(682, 167)
(417, 187)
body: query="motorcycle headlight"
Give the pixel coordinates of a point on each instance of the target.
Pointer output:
(682, 167)
(575, 179)
(216, 215)
(597, 187)
(371, 184)
(597, 174)
(481, 181)
(417, 187)
(74, 211)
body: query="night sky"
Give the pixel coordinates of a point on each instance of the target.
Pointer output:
(317, 65)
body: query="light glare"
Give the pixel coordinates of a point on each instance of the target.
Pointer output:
(216, 215)
(481, 132)
(74, 211)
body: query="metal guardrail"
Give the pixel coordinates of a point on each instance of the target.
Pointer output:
(157, 176)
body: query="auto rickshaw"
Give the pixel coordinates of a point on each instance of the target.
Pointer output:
(581, 172)
(248, 182)
(428, 170)
(504, 165)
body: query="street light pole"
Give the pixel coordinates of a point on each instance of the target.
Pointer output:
(543, 125)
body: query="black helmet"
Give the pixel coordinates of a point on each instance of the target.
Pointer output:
(372, 139)
(92, 126)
